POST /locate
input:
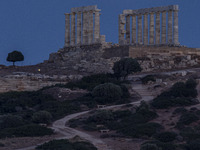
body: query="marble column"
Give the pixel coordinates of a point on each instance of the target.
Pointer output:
(78, 32)
(97, 26)
(121, 28)
(128, 32)
(164, 34)
(157, 28)
(176, 41)
(151, 36)
(140, 29)
(145, 31)
(170, 30)
(133, 29)
(73, 27)
(67, 29)
(84, 35)
(90, 39)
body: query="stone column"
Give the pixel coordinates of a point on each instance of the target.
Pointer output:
(140, 29)
(163, 35)
(145, 34)
(78, 32)
(133, 29)
(170, 27)
(121, 28)
(151, 36)
(90, 39)
(67, 29)
(84, 28)
(128, 32)
(157, 28)
(97, 26)
(176, 42)
(73, 27)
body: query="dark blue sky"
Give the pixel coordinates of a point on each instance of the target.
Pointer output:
(36, 27)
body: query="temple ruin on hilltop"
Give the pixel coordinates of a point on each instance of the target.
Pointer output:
(150, 35)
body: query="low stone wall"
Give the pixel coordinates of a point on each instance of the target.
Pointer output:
(164, 57)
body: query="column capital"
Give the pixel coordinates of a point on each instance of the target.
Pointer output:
(67, 14)
(73, 13)
(158, 12)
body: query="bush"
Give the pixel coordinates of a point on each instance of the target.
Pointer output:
(89, 82)
(101, 117)
(2, 145)
(180, 110)
(179, 95)
(191, 84)
(149, 147)
(42, 117)
(107, 93)
(26, 131)
(190, 134)
(126, 66)
(161, 145)
(188, 118)
(148, 78)
(166, 136)
(10, 121)
(66, 145)
(140, 130)
(193, 145)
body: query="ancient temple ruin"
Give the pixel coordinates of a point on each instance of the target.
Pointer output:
(149, 26)
(149, 31)
(150, 35)
(82, 26)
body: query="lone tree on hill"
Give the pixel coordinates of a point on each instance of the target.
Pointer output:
(126, 66)
(15, 56)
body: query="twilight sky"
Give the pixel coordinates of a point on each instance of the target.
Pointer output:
(37, 27)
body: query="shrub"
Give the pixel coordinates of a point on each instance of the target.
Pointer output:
(107, 93)
(147, 129)
(190, 134)
(148, 78)
(42, 117)
(2, 145)
(10, 121)
(166, 136)
(161, 145)
(180, 94)
(180, 110)
(191, 84)
(66, 145)
(30, 130)
(188, 118)
(101, 117)
(126, 66)
(149, 147)
(89, 82)
(193, 145)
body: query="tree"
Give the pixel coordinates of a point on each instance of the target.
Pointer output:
(15, 56)
(126, 66)
(107, 93)
(42, 117)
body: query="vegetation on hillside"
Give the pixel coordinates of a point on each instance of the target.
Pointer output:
(66, 145)
(180, 94)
